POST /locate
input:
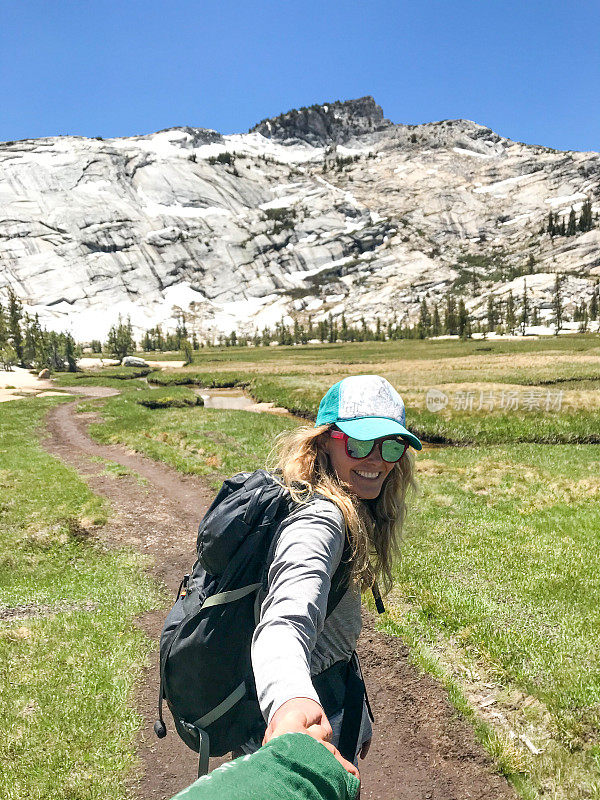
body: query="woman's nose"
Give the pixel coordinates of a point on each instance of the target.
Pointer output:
(375, 456)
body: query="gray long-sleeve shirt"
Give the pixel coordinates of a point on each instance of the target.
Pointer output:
(293, 639)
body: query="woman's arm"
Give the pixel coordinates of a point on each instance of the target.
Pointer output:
(293, 611)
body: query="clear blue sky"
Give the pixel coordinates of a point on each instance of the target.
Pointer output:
(530, 70)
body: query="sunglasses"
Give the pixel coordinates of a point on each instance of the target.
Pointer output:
(392, 448)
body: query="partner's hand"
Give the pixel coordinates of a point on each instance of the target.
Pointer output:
(303, 715)
(296, 716)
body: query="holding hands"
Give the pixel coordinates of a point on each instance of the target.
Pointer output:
(303, 715)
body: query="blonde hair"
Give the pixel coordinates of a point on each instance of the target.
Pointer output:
(374, 529)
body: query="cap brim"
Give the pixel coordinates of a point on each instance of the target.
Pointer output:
(375, 427)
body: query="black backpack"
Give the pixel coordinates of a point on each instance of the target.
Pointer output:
(205, 668)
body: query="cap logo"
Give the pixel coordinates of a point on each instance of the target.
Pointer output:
(363, 396)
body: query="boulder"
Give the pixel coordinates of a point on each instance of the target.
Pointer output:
(133, 361)
(44, 374)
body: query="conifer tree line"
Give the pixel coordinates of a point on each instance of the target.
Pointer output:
(451, 317)
(509, 315)
(558, 227)
(23, 341)
(155, 340)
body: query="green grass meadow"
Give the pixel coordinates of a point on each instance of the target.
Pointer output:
(499, 578)
(67, 674)
(497, 591)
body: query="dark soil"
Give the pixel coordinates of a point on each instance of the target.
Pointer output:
(421, 749)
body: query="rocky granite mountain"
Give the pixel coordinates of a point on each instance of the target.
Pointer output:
(321, 210)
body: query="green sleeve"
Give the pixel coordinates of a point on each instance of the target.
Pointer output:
(290, 767)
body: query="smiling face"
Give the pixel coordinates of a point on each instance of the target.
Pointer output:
(365, 476)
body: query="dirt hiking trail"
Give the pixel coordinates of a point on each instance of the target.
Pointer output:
(421, 749)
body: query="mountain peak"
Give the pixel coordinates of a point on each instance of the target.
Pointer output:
(327, 123)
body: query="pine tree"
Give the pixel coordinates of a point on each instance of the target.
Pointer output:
(378, 332)
(450, 319)
(464, 328)
(70, 352)
(332, 337)
(535, 316)
(491, 314)
(40, 338)
(15, 315)
(578, 312)
(29, 341)
(511, 320)
(120, 341)
(282, 333)
(363, 335)
(160, 342)
(424, 323)
(344, 336)
(3, 327)
(594, 305)
(524, 308)
(436, 325)
(550, 227)
(586, 222)
(557, 304)
(187, 351)
(56, 362)
(572, 225)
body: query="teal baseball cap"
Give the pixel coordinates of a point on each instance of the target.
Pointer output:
(365, 407)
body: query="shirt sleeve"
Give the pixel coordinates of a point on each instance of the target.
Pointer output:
(308, 552)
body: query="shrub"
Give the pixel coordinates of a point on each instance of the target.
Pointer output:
(116, 373)
(281, 214)
(222, 158)
(158, 399)
(209, 380)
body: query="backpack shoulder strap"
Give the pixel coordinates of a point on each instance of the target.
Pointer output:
(341, 577)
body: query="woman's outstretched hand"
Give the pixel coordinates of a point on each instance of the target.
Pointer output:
(303, 715)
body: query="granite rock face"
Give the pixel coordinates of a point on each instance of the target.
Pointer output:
(331, 123)
(319, 211)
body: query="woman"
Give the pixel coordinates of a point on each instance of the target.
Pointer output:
(356, 461)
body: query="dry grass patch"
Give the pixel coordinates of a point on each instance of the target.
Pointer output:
(532, 488)
(411, 372)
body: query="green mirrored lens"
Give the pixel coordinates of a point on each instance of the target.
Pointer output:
(358, 448)
(392, 449)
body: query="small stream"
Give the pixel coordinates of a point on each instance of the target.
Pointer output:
(229, 399)
(238, 400)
